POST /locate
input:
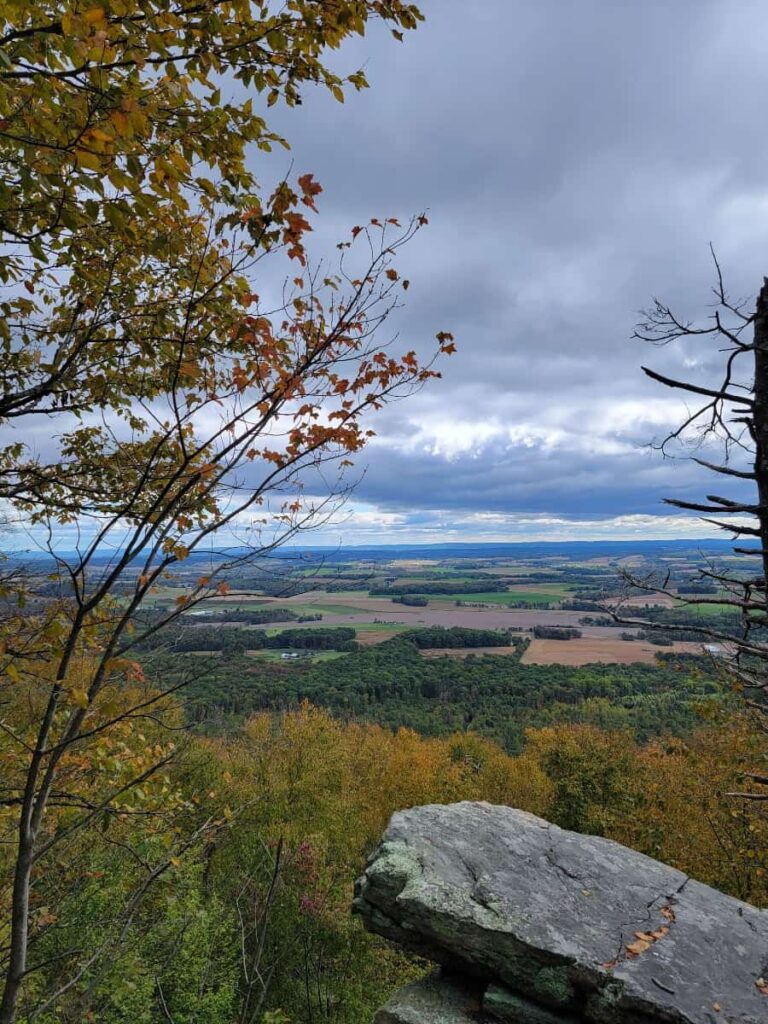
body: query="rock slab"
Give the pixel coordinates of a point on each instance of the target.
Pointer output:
(580, 927)
(435, 1000)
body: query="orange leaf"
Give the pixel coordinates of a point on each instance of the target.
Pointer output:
(636, 948)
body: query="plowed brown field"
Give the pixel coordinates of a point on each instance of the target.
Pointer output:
(587, 650)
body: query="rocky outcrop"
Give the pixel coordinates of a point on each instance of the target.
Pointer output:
(532, 924)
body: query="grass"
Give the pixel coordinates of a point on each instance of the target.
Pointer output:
(705, 610)
(340, 609)
(275, 654)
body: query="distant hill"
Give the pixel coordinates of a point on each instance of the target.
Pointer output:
(576, 549)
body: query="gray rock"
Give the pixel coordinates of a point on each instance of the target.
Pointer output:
(435, 1000)
(500, 1004)
(503, 895)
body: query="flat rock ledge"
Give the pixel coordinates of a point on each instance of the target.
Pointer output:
(532, 924)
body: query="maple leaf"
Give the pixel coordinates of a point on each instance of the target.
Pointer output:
(310, 188)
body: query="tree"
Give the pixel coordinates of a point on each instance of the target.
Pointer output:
(732, 415)
(184, 398)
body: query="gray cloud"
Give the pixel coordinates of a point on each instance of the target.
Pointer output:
(576, 159)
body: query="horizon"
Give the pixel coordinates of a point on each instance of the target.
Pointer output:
(631, 544)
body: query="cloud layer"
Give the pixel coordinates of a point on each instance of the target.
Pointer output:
(575, 159)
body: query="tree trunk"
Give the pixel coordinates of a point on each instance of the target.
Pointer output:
(760, 426)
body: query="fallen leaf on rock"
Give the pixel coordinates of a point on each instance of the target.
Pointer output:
(636, 948)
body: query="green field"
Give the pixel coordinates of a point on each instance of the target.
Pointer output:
(705, 610)
(313, 656)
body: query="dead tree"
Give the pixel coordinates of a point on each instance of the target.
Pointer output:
(731, 416)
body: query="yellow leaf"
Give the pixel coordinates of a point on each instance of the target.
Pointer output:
(89, 160)
(120, 123)
(96, 14)
(97, 133)
(179, 162)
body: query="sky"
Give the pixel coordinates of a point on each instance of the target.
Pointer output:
(574, 160)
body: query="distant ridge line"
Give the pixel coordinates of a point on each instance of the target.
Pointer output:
(452, 549)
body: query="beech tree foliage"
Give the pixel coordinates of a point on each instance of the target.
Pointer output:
(157, 388)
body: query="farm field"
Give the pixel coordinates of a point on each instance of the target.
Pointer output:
(378, 618)
(648, 601)
(600, 650)
(378, 632)
(465, 652)
(535, 593)
(438, 613)
(306, 656)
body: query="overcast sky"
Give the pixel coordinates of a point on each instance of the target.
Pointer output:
(575, 159)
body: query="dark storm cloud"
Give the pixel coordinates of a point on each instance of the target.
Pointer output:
(529, 480)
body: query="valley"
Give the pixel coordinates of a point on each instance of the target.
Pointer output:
(488, 641)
